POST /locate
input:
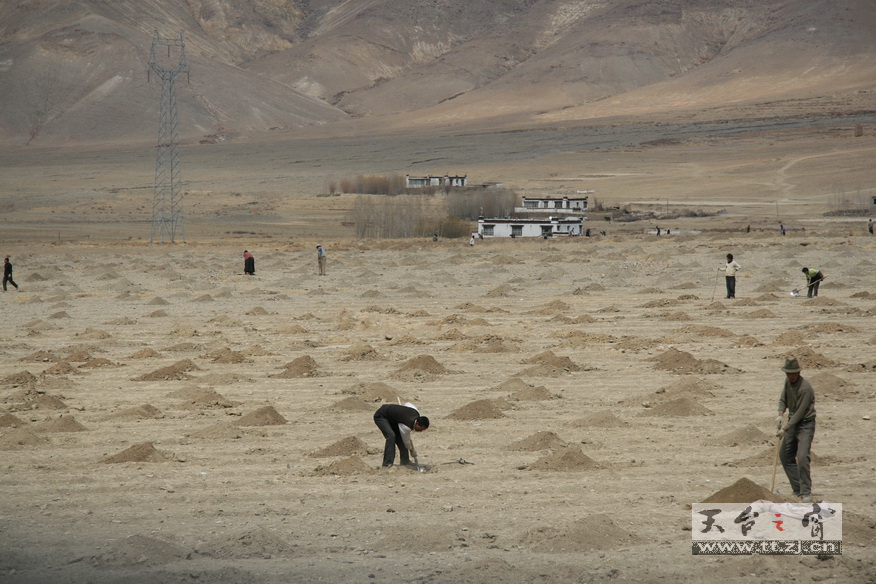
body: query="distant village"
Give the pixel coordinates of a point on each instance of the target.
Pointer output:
(535, 217)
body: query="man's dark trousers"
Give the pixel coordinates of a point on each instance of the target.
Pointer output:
(393, 436)
(794, 454)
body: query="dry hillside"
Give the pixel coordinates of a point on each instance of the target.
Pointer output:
(77, 72)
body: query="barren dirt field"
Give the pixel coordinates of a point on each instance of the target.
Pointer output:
(165, 418)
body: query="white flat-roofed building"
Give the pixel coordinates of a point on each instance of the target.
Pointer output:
(548, 227)
(553, 205)
(420, 182)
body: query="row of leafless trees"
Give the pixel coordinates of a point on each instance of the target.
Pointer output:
(419, 212)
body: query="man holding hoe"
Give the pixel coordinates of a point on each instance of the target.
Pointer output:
(797, 432)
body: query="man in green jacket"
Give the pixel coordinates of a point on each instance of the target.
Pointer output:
(797, 432)
(813, 280)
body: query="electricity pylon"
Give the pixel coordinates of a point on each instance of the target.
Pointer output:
(167, 209)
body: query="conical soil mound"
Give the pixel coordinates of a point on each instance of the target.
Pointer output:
(346, 467)
(178, 370)
(568, 460)
(143, 452)
(349, 446)
(10, 421)
(265, 416)
(746, 436)
(531, 394)
(684, 406)
(352, 403)
(483, 409)
(424, 363)
(744, 491)
(303, 366)
(539, 441)
(18, 438)
(62, 424)
(601, 420)
(258, 543)
(144, 412)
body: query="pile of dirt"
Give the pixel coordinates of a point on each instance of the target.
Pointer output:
(39, 357)
(224, 379)
(683, 362)
(295, 329)
(139, 550)
(200, 398)
(745, 491)
(352, 404)
(10, 421)
(204, 298)
(634, 344)
(143, 452)
(683, 406)
(500, 291)
(346, 467)
(157, 314)
(539, 441)
(264, 416)
(552, 360)
(157, 301)
(303, 366)
(745, 436)
(827, 385)
(60, 424)
(706, 331)
(482, 409)
(374, 391)
(547, 364)
(531, 394)
(19, 438)
(601, 420)
(762, 313)
(97, 363)
(677, 315)
(661, 303)
(360, 352)
(79, 356)
(142, 412)
(18, 379)
(145, 354)
(551, 308)
(222, 431)
(178, 370)
(349, 446)
(581, 319)
(258, 544)
(571, 459)
(257, 311)
(41, 401)
(809, 359)
(594, 532)
(513, 384)
(256, 351)
(60, 368)
(226, 355)
(421, 368)
(484, 344)
(831, 327)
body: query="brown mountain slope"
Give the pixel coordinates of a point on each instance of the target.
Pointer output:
(76, 72)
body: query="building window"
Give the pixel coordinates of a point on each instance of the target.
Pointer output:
(517, 230)
(488, 230)
(546, 229)
(530, 204)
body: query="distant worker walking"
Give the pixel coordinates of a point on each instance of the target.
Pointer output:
(320, 259)
(248, 263)
(730, 269)
(813, 280)
(870, 226)
(396, 422)
(7, 274)
(782, 228)
(797, 432)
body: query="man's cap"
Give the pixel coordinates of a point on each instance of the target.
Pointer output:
(791, 365)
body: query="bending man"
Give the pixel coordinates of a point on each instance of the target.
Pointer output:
(396, 423)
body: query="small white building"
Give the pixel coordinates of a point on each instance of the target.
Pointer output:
(447, 181)
(548, 227)
(553, 205)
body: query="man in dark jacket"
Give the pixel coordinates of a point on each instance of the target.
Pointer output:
(396, 423)
(799, 429)
(7, 274)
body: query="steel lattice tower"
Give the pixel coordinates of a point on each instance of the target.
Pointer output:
(167, 210)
